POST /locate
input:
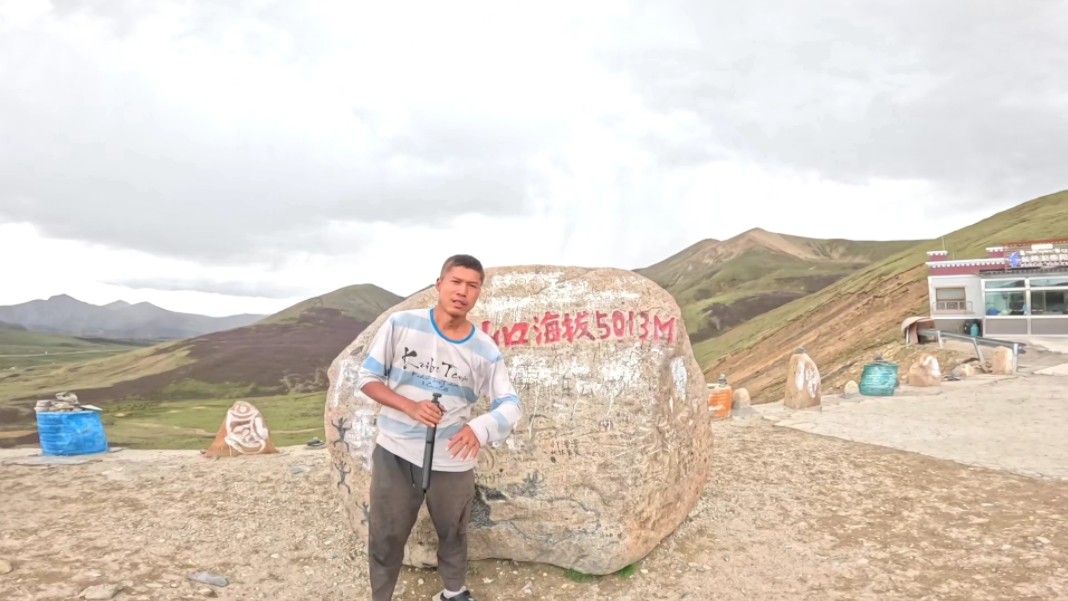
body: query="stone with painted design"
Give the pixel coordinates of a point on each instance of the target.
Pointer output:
(243, 432)
(803, 385)
(614, 446)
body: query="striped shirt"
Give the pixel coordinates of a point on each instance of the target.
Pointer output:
(411, 356)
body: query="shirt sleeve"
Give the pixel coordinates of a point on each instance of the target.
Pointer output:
(505, 410)
(379, 357)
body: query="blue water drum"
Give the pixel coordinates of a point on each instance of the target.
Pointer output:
(878, 379)
(71, 433)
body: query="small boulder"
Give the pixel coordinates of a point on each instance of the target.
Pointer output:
(925, 372)
(803, 386)
(741, 398)
(851, 389)
(965, 370)
(1002, 362)
(243, 432)
(100, 592)
(5, 567)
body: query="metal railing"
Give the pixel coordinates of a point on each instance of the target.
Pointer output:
(951, 306)
(977, 342)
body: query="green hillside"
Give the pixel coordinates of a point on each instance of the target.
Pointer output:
(20, 348)
(362, 302)
(720, 285)
(285, 354)
(845, 323)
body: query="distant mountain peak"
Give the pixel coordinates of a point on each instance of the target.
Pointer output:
(64, 298)
(66, 315)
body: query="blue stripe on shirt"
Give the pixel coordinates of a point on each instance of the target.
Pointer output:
(422, 323)
(403, 377)
(374, 366)
(502, 423)
(413, 321)
(503, 400)
(404, 430)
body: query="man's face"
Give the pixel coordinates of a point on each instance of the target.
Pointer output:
(458, 290)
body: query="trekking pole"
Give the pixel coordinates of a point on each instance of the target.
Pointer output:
(428, 451)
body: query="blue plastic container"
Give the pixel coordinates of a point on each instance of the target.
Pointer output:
(71, 433)
(878, 379)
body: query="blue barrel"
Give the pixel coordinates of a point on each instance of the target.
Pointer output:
(878, 379)
(71, 433)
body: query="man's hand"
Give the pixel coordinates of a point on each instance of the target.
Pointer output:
(425, 412)
(465, 443)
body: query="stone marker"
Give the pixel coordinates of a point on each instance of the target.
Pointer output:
(243, 432)
(614, 446)
(925, 372)
(1001, 362)
(802, 382)
(742, 405)
(741, 399)
(851, 389)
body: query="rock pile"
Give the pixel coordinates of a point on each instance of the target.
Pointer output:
(64, 402)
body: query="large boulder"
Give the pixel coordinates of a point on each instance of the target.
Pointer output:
(614, 446)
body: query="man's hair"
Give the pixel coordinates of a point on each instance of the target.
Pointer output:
(463, 261)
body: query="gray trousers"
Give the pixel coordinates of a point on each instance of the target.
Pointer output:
(396, 496)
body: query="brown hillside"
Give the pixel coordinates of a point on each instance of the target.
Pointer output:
(289, 352)
(720, 285)
(260, 360)
(845, 324)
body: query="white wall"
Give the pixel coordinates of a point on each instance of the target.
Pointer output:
(973, 289)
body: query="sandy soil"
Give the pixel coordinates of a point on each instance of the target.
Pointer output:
(788, 515)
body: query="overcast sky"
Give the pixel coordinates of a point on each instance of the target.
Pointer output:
(225, 157)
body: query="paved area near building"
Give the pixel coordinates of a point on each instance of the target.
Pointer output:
(1014, 423)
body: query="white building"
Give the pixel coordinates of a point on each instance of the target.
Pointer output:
(1018, 289)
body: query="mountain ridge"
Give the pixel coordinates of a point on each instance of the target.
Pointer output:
(722, 284)
(63, 314)
(847, 323)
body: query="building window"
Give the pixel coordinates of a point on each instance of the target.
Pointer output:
(1005, 303)
(1050, 283)
(1048, 302)
(951, 300)
(992, 284)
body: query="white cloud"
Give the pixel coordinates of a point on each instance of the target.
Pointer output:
(239, 156)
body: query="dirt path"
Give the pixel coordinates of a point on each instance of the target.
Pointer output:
(788, 516)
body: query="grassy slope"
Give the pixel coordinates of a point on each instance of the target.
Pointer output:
(722, 284)
(841, 325)
(20, 348)
(192, 424)
(287, 354)
(362, 302)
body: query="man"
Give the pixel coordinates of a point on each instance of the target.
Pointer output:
(415, 354)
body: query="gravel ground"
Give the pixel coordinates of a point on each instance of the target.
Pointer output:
(788, 515)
